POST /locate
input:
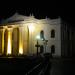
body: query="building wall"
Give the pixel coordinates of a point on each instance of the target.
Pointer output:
(67, 40)
(27, 37)
(0, 42)
(47, 27)
(53, 41)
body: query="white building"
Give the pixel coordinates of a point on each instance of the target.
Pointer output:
(19, 35)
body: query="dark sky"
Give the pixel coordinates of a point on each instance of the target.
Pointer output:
(51, 9)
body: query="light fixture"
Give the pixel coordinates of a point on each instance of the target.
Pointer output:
(38, 37)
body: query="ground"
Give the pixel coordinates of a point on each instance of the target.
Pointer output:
(58, 66)
(62, 66)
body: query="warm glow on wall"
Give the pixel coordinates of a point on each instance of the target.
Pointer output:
(20, 49)
(31, 27)
(9, 43)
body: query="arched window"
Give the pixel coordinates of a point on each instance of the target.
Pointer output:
(53, 49)
(42, 34)
(52, 33)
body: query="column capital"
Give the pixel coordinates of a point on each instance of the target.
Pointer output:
(2, 30)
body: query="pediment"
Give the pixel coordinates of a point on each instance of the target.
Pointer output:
(14, 18)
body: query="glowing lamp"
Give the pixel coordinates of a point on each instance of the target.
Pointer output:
(38, 37)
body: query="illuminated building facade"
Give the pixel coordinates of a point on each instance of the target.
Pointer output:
(19, 35)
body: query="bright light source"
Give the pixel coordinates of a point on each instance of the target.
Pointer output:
(9, 43)
(38, 37)
(31, 27)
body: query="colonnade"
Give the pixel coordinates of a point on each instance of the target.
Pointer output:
(13, 41)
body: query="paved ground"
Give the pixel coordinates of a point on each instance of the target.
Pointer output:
(58, 66)
(62, 67)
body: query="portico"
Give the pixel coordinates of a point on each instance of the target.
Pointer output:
(12, 40)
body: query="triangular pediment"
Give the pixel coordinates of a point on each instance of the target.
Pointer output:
(15, 18)
(18, 18)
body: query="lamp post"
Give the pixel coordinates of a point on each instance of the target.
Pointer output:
(41, 38)
(37, 45)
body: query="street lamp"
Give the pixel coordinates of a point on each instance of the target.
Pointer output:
(37, 45)
(41, 38)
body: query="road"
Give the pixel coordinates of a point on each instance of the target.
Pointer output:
(62, 66)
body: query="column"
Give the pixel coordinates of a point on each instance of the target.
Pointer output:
(3, 30)
(31, 38)
(9, 41)
(1, 41)
(20, 41)
(25, 40)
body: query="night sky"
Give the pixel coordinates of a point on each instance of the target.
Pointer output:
(51, 9)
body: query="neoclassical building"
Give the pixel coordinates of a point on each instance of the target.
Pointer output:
(21, 34)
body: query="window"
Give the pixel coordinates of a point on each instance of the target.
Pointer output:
(42, 34)
(53, 49)
(52, 33)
